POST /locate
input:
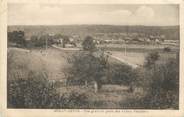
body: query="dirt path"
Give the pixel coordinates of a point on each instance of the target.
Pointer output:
(112, 56)
(122, 60)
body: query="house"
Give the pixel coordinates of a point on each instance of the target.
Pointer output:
(171, 42)
(157, 40)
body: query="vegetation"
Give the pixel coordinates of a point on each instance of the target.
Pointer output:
(88, 44)
(164, 87)
(37, 92)
(87, 68)
(171, 32)
(167, 49)
(151, 59)
(161, 83)
(17, 37)
(122, 74)
(114, 84)
(65, 41)
(93, 66)
(31, 88)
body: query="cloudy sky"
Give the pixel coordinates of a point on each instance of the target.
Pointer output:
(115, 14)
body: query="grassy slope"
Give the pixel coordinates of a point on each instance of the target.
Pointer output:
(37, 60)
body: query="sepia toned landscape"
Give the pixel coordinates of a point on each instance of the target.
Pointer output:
(93, 66)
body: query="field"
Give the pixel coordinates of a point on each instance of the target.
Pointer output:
(136, 47)
(138, 58)
(52, 60)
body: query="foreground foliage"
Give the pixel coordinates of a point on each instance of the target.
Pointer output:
(29, 88)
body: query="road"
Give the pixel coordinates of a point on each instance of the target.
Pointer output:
(122, 60)
(110, 55)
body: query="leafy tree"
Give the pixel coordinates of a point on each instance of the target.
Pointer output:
(17, 37)
(123, 74)
(37, 92)
(88, 44)
(164, 85)
(167, 49)
(65, 40)
(31, 43)
(151, 59)
(161, 87)
(57, 36)
(87, 67)
(41, 41)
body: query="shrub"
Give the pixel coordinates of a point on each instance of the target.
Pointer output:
(33, 92)
(122, 74)
(17, 37)
(88, 44)
(151, 59)
(164, 87)
(30, 87)
(37, 92)
(74, 100)
(162, 90)
(167, 49)
(87, 67)
(161, 87)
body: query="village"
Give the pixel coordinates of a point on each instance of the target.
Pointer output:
(75, 40)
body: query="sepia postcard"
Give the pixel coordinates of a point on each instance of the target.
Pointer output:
(91, 58)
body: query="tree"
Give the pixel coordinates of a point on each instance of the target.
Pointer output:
(151, 59)
(164, 86)
(123, 74)
(167, 49)
(86, 67)
(31, 43)
(88, 44)
(17, 37)
(65, 40)
(37, 92)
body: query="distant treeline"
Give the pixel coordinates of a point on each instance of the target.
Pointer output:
(18, 39)
(170, 32)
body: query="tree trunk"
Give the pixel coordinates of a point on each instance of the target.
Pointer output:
(63, 45)
(95, 86)
(131, 89)
(86, 83)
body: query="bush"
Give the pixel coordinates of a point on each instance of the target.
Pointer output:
(17, 37)
(33, 92)
(37, 92)
(29, 86)
(122, 74)
(88, 44)
(162, 90)
(161, 87)
(164, 87)
(151, 59)
(167, 49)
(74, 100)
(87, 67)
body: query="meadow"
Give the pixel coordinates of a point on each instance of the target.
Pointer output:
(137, 47)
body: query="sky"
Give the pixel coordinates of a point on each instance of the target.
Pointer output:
(110, 14)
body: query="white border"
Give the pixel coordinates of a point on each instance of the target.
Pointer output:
(49, 112)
